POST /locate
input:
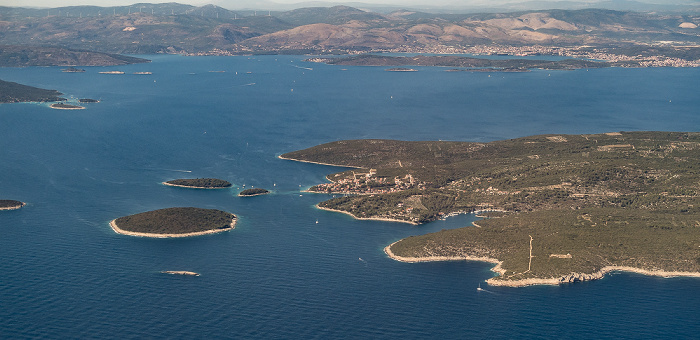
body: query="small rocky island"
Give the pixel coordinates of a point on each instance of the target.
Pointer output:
(199, 183)
(569, 207)
(88, 100)
(401, 69)
(253, 192)
(64, 106)
(174, 222)
(10, 204)
(180, 272)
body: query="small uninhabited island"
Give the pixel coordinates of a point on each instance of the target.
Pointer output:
(73, 70)
(64, 106)
(253, 192)
(401, 69)
(111, 72)
(143, 73)
(180, 272)
(175, 222)
(559, 208)
(199, 183)
(88, 100)
(11, 204)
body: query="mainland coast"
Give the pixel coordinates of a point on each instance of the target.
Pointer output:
(569, 278)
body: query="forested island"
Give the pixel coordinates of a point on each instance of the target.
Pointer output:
(199, 183)
(174, 222)
(11, 92)
(10, 204)
(571, 207)
(253, 192)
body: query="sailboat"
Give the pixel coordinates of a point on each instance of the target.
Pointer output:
(479, 288)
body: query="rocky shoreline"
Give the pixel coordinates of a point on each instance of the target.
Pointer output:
(569, 278)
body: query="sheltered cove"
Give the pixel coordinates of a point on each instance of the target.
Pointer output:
(593, 204)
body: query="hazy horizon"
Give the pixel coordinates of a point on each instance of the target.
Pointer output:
(286, 4)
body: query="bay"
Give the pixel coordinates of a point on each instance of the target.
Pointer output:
(279, 274)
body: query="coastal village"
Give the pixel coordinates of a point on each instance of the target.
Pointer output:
(366, 183)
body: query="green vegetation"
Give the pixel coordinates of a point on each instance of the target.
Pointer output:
(23, 56)
(625, 199)
(11, 92)
(200, 183)
(88, 100)
(253, 192)
(176, 221)
(10, 204)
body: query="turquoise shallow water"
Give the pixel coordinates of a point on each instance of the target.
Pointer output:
(279, 274)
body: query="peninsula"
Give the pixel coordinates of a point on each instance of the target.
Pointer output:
(199, 183)
(174, 222)
(253, 192)
(571, 207)
(11, 92)
(11, 204)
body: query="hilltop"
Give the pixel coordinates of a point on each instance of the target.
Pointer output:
(185, 29)
(628, 199)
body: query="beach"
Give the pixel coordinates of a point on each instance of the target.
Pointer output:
(117, 230)
(367, 218)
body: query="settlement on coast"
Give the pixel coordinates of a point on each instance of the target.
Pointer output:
(559, 208)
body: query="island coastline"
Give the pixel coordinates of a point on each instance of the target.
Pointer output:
(303, 161)
(366, 218)
(61, 106)
(569, 278)
(117, 230)
(16, 207)
(191, 186)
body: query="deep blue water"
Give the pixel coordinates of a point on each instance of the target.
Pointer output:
(279, 274)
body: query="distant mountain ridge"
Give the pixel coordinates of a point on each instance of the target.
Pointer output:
(186, 29)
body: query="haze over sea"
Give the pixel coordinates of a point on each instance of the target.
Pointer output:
(279, 274)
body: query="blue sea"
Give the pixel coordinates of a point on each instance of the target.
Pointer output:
(279, 275)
